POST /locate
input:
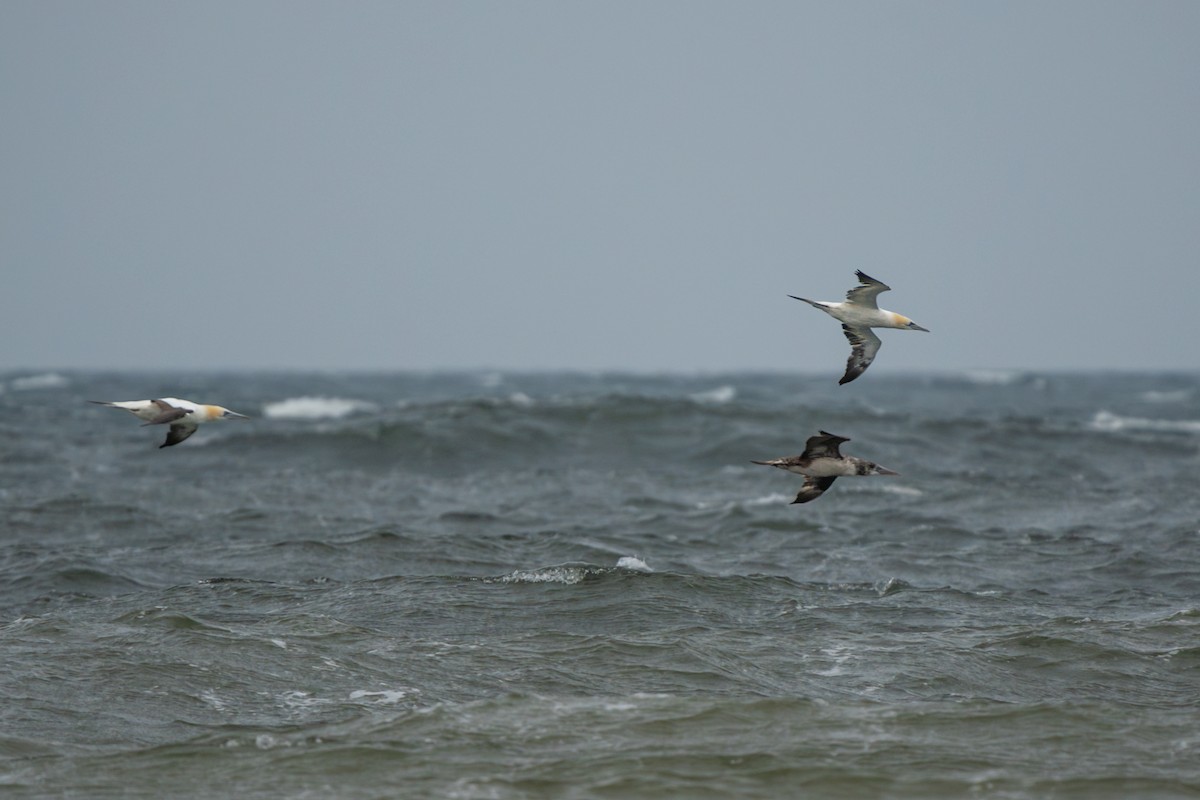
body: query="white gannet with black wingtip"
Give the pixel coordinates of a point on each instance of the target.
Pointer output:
(858, 314)
(184, 415)
(822, 463)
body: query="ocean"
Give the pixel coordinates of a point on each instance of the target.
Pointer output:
(576, 585)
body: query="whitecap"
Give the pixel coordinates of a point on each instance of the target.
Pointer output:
(1110, 423)
(993, 377)
(718, 396)
(633, 563)
(565, 575)
(316, 408)
(1172, 396)
(47, 380)
(520, 400)
(894, 488)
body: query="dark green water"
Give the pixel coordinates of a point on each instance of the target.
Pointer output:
(569, 585)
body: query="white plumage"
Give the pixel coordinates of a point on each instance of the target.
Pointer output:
(184, 416)
(858, 314)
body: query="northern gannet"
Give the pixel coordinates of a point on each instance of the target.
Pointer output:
(858, 314)
(822, 463)
(183, 415)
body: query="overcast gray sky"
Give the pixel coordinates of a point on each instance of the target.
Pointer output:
(596, 184)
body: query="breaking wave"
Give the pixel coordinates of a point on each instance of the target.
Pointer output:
(1108, 422)
(316, 408)
(47, 380)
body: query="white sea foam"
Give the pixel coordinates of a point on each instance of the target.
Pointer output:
(47, 380)
(520, 400)
(387, 696)
(633, 563)
(301, 700)
(210, 697)
(567, 575)
(316, 408)
(838, 657)
(1109, 422)
(718, 396)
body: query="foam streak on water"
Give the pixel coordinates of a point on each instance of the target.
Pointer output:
(510, 586)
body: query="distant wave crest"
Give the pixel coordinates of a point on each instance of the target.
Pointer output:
(718, 396)
(1109, 422)
(316, 408)
(46, 380)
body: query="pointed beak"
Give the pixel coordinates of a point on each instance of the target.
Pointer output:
(884, 471)
(234, 415)
(914, 326)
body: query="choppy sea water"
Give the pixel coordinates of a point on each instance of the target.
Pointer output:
(577, 586)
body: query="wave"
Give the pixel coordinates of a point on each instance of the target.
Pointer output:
(633, 563)
(994, 377)
(900, 489)
(718, 396)
(46, 380)
(1166, 396)
(316, 408)
(569, 574)
(1108, 422)
(382, 697)
(564, 574)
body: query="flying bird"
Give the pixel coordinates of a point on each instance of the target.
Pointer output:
(822, 463)
(183, 415)
(858, 314)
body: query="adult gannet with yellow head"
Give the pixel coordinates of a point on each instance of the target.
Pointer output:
(858, 314)
(184, 415)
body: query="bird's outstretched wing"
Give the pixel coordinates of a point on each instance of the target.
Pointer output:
(177, 434)
(812, 489)
(868, 289)
(823, 444)
(167, 413)
(864, 344)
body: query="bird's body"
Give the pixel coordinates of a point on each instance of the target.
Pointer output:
(859, 313)
(184, 416)
(822, 463)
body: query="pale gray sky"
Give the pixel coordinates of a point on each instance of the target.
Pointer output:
(596, 184)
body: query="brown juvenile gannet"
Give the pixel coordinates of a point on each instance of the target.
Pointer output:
(822, 463)
(184, 415)
(858, 314)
